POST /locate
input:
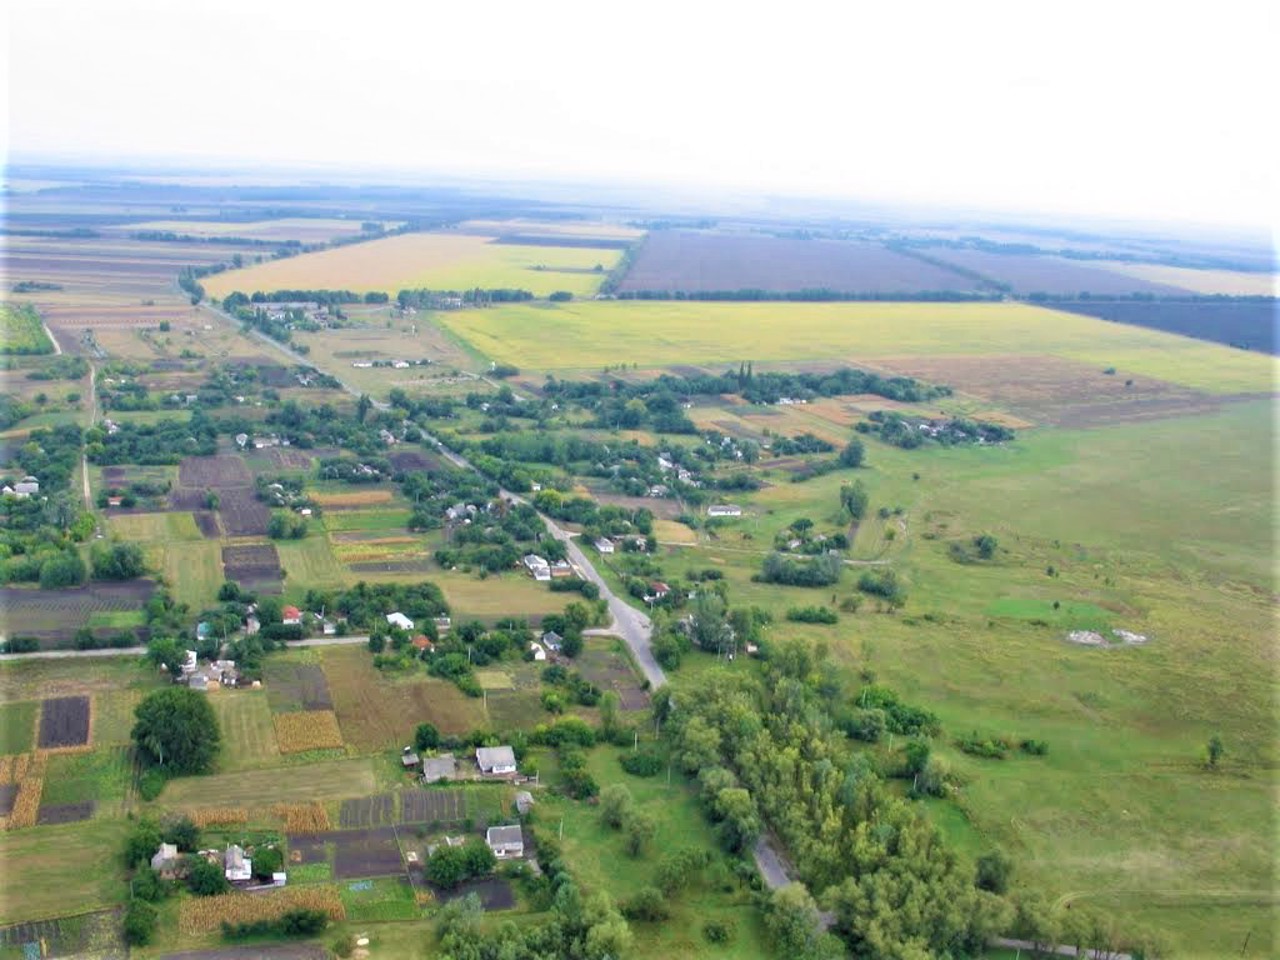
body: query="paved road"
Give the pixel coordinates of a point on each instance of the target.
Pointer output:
(1061, 951)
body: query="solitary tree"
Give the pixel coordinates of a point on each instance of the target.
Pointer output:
(177, 730)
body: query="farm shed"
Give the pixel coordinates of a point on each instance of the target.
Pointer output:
(724, 510)
(435, 769)
(552, 641)
(604, 546)
(496, 760)
(539, 652)
(524, 802)
(398, 619)
(409, 759)
(505, 842)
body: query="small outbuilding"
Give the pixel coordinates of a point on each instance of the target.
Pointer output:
(236, 866)
(398, 619)
(443, 767)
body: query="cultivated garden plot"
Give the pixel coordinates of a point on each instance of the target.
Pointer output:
(365, 853)
(55, 615)
(64, 812)
(64, 722)
(254, 566)
(368, 811)
(296, 686)
(433, 806)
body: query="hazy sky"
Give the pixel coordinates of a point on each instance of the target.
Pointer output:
(1158, 110)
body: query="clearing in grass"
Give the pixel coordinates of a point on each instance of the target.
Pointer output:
(248, 736)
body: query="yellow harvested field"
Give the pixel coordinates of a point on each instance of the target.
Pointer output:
(207, 914)
(1235, 283)
(358, 498)
(436, 261)
(308, 730)
(588, 335)
(670, 533)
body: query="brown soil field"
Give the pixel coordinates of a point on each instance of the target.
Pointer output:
(242, 513)
(353, 499)
(64, 722)
(706, 261)
(252, 565)
(207, 521)
(64, 813)
(662, 508)
(296, 686)
(374, 852)
(217, 471)
(377, 714)
(1054, 391)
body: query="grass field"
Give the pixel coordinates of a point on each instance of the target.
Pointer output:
(437, 261)
(18, 726)
(195, 570)
(1150, 527)
(163, 527)
(310, 563)
(333, 780)
(378, 713)
(248, 737)
(21, 332)
(102, 775)
(379, 901)
(586, 336)
(55, 884)
(113, 717)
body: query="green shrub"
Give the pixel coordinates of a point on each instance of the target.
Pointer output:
(644, 763)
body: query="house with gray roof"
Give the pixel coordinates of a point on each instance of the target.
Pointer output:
(507, 843)
(496, 761)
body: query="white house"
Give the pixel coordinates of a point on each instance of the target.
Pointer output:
(537, 566)
(27, 487)
(398, 619)
(506, 842)
(237, 866)
(496, 760)
(604, 546)
(190, 663)
(539, 652)
(724, 510)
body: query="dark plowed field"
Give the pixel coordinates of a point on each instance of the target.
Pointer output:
(433, 806)
(1026, 273)
(296, 686)
(307, 848)
(8, 794)
(365, 853)
(242, 513)
(391, 566)
(413, 460)
(376, 811)
(216, 472)
(64, 722)
(64, 813)
(255, 567)
(1249, 324)
(207, 521)
(709, 262)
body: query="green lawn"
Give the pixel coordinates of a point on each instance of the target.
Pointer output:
(310, 564)
(304, 783)
(18, 726)
(248, 736)
(56, 883)
(381, 900)
(101, 775)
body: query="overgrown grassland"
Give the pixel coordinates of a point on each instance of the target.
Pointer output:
(437, 261)
(310, 564)
(18, 726)
(65, 870)
(1156, 528)
(588, 335)
(158, 527)
(248, 737)
(301, 784)
(194, 568)
(21, 331)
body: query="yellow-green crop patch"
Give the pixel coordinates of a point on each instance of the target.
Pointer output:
(589, 335)
(156, 527)
(436, 261)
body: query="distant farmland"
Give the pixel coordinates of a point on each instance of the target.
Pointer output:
(567, 337)
(695, 262)
(436, 261)
(1249, 323)
(1028, 273)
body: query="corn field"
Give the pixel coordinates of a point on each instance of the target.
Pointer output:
(307, 730)
(214, 816)
(207, 914)
(303, 817)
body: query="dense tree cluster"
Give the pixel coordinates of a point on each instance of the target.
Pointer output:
(177, 730)
(762, 751)
(164, 442)
(911, 432)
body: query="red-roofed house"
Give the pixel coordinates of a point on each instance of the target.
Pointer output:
(421, 642)
(291, 615)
